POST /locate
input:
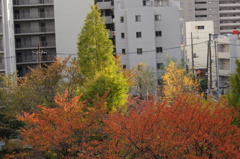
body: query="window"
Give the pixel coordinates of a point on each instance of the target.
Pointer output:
(158, 33)
(124, 66)
(201, 2)
(200, 9)
(199, 16)
(159, 49)
(146, 2)
(139, 51)
(200, 27)
(138, 34)
(122, 19)
(138, 18)
(160, 66)
(122, 35)
(123, 51)
(157, 17)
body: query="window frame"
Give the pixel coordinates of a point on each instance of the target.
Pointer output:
(137, 18)
(138, 34)
(158, 17)
(122, 35)
(158, 33)
(139, 51)
(159, 49)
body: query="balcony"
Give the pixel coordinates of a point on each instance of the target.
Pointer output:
(39, 16)
(105, 5)
(111, 34)
(30, 3)
(108, 19)
(29, 45)
(223, 55)
(228, 4)
(224, 72)
(46, 58)
(230, 24)
(229, 11)
(230, 18)
(226, 31)
(36, 30)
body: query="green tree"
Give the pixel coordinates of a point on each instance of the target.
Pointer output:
(100, 68)
(234, 94)
(145, 82)
(94, 46)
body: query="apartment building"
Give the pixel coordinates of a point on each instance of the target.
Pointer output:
(229, 15)
(34, 30)
(228, 49)
(224, 13)
(147, 31)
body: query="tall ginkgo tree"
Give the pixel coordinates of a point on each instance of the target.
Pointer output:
(98, 65)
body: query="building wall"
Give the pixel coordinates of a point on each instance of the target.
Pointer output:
(200, 35)
(168, 25)
(68, 24)
(7, 39)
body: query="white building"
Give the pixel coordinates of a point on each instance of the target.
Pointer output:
(228, 50)
(7, 42)
(147, 31)
(197, 36)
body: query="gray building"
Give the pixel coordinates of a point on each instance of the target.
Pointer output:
(34, 29)
(147, 32)
(224, 13)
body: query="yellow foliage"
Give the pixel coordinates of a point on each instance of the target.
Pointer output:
(176, 82)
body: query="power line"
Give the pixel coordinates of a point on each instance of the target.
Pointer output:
(177, 47)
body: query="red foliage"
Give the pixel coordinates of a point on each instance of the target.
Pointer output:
(186, 129)
(66, 129)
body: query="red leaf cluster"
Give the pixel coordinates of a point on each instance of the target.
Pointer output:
(188, 128)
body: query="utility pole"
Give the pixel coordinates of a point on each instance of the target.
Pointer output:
(210, 56)
(192, 53)
(208, 59)
(217, 74)
(39, 53)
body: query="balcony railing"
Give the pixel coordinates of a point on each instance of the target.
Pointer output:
(25, 45)
(31, 16)
(29, 30)
(34, 59)
(31, 2)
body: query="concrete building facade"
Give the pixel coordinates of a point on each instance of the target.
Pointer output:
(228, 50)
(28, 27)
(197, 36)
(147, 32)
(224, 13)
(7, 45)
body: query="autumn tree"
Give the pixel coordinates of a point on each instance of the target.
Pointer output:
(98, 65)
(144, 82)
(177, 81)
(186, 129)
(95, 49)
(234, 94)
(64, 130)
(40, 85)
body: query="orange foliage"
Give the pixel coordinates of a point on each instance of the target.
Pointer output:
(186, 129)
(64, 130)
